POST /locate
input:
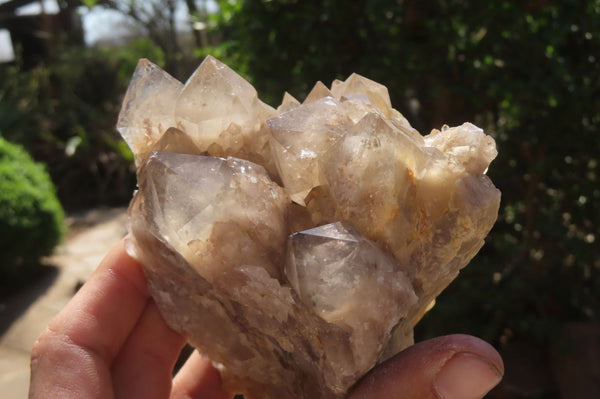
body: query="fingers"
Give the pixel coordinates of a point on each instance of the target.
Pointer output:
(111, 329)
(450, 367)
(198, 379)
(144, 367)
(71, 359)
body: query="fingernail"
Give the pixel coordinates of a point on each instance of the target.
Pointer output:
(466, 376)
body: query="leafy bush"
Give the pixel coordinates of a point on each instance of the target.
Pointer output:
(31, 217)
(64, 113)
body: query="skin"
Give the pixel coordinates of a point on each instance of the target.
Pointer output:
(103, 344)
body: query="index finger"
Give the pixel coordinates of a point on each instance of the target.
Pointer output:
(76, 350)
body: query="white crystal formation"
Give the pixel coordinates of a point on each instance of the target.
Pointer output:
(148, 108)
(302, 136)
(349, 281)
(297, 247)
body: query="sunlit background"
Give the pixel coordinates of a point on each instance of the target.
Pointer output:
(528, 72)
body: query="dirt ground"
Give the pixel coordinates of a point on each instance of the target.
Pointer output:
(26, 313)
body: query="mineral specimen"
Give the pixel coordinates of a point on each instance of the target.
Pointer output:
(297, 247)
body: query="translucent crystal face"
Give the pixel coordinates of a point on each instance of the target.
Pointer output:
(376, 93)
(351, 282)
(177, 188)
(297, 247)
(198, 202)
(334, 269)
(148, 108)
(467, 145)
(300, 138)
(213, 99)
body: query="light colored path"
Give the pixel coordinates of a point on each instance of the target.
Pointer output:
(26, 314)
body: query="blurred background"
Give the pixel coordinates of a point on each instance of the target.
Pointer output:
(528, 72)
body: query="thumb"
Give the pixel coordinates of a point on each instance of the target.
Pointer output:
(450, 367)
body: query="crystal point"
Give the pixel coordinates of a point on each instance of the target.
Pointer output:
(147, 109)
(336, 272)
(318, 91)
(357, 84)
(287, 103)
(301, 137)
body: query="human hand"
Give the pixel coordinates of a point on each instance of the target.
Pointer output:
(111, 342)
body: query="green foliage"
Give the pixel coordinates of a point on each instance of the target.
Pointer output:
(89, 3)
(31, 217)
(533, 68)
(64, 113)
(528, 72)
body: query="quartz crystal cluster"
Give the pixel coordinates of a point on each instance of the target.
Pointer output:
(297, 247)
